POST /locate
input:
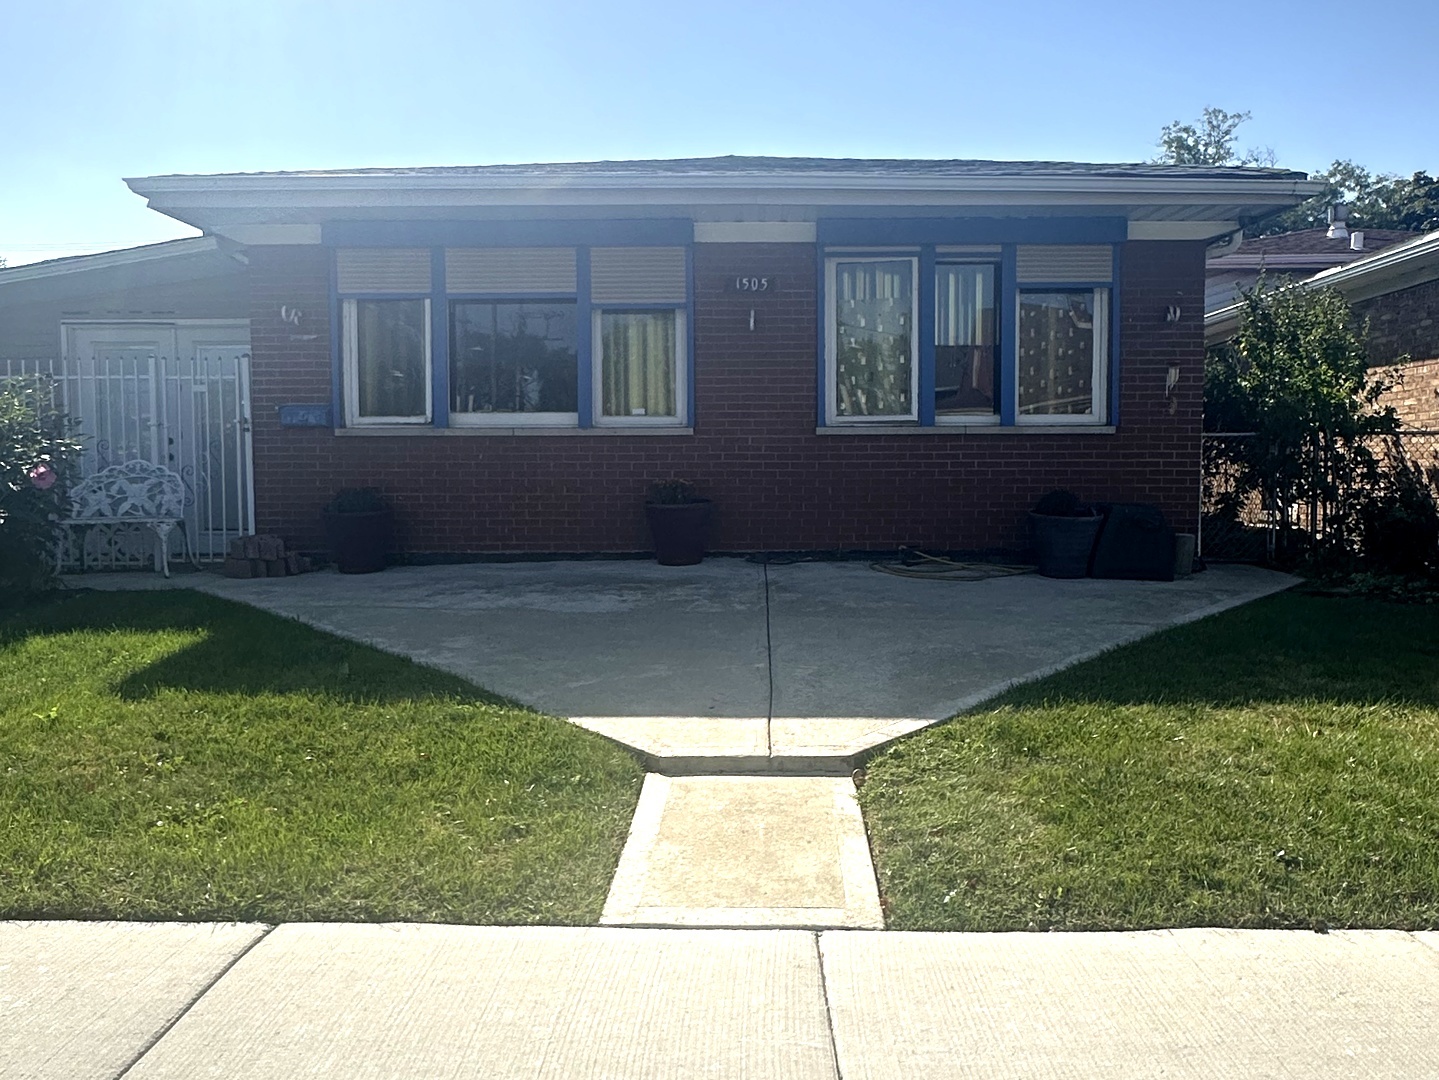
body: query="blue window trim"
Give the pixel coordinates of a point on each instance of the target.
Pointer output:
(1114, 353)
(822, 334)
(337, 359)
(439, 342)
(584, 339)
(1009, 290)
(925, 330)
(1008, 373)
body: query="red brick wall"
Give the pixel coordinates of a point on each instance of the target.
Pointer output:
(1406, 323)
(1403, 323)
(776, 484)
(1415, 395)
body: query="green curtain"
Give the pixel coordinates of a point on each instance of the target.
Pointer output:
(638, 365)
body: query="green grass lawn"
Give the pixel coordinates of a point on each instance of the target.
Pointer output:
(173, 756)
(1274, 766)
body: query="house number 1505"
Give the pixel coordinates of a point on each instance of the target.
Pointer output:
(742, 284)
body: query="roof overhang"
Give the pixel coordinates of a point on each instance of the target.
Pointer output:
(111, 260)
(1188, 207)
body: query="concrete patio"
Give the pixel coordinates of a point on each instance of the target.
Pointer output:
(733, 665)
(747, 687)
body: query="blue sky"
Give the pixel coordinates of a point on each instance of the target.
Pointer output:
(100, 90)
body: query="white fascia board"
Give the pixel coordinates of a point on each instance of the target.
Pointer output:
(184, 193)
(1415, 258)
(1180, 230)
(105, 260)
(755, 232)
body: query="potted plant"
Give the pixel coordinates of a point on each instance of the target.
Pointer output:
(1065, 530)
(679, 522)
(360, 528)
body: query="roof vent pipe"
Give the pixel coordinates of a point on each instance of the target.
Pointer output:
(1338, 215)
(1356, 241)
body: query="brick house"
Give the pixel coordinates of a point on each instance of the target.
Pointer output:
(1396, 289)
(843, 354)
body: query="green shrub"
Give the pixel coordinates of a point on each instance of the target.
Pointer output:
(37, 462)
(1399, 523)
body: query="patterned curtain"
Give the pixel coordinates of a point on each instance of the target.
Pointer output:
(638, 366)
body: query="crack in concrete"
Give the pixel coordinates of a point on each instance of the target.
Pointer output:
(828, 1007)
(769, 668)
(166, 1028)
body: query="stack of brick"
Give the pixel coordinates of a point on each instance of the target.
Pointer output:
(263, 556)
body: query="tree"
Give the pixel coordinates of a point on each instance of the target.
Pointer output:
(1208, 141)
(1296, 374)
(1375, 201)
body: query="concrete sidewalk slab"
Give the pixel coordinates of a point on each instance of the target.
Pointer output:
(438, 1002)
(1183, 1003)
(745, 851)
(83, 999)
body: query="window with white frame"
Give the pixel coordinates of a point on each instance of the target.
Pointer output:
(966, 342)
(1036, 351)
(640, 373)
(873, 360)
(1063, 351)
(387, 361)
(513, 361)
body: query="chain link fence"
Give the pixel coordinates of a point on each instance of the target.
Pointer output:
(1239, 523)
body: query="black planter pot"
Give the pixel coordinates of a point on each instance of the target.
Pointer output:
(359, 542)
(1064, 545)
(680, 531)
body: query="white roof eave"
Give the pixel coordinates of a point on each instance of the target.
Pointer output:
(218, 192)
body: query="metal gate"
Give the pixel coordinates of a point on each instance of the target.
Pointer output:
(176, 394)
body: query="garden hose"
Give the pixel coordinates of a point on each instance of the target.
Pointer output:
(917, 564)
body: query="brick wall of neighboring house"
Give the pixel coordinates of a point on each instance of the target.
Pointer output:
(777, 485)
(1406, 323)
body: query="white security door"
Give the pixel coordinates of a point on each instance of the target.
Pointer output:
(176, 394)
(207, 407)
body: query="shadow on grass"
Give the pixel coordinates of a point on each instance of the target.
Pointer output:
(242, 651)
(1287, 648)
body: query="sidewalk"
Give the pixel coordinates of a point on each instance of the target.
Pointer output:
(86, 1001)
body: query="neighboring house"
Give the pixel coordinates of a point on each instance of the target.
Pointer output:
(843, 354)
(1289, 257)
(1397, 291)
(150, 346)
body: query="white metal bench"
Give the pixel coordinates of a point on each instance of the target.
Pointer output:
(133, 493)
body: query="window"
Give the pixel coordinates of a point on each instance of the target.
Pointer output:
(513, 362)
(874, 367)
(966, 341)
(551, 336)
(1062, 351)
(1012, 334)
(387, 361)
(641, 373)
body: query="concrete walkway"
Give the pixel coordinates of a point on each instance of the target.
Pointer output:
(174, 1002)
(748, 688)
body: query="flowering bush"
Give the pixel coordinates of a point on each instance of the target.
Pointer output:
(37, 457)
